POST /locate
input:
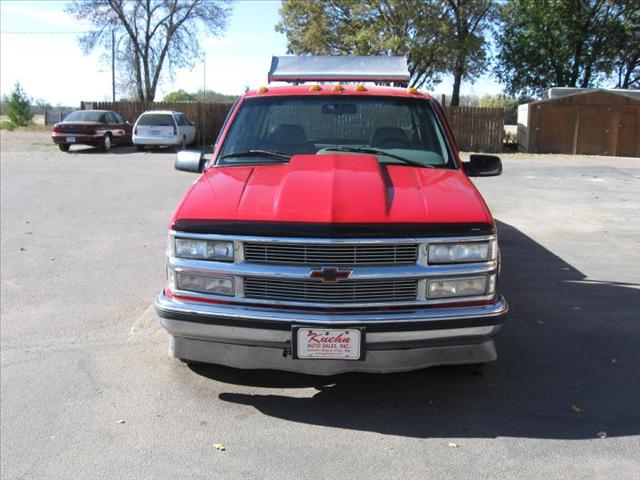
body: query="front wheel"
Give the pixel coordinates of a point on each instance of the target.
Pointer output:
(140, 148)
(106, 143)
(64, 147)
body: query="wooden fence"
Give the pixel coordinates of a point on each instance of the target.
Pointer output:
(476, 129)
(208, 117)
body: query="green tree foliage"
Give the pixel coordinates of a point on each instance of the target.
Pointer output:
(437, 36)
(216, 97)
(157, 34)
(209, 96)
(18, 107)
(574, 43)
(180, 96)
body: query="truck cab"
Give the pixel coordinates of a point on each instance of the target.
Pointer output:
(334, 229)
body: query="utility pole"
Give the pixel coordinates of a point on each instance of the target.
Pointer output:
(113, 65)
(204, 99)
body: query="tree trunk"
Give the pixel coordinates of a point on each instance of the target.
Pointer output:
(139, 88)
(587, 76)
(457, 80)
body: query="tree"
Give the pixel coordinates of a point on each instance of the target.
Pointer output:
(180, 96)
(627, 61)
(437, 36)
(157, 33)
(466, 25)
(18, 107)
(573, 43)
(379, 27)
(209, 96)
(215, 97)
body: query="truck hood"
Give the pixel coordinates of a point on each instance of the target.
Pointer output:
(333, 188)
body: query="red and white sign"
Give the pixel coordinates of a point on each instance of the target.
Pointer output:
(338, 344)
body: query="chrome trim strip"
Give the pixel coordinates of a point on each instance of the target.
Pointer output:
(253, 336)
(301, 272)
(496, 309)
(258, 302)
(324, 241)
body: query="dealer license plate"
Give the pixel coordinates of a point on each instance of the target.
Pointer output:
(328, 344)
(70, 139)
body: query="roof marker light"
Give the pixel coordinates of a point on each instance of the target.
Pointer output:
(337, 88)
(263, 90)
(315, 88)
(413, 90)
(359, 88)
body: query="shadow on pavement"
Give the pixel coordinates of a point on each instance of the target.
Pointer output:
(116, 149)
(568, 368)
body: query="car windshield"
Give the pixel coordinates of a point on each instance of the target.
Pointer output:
(85, 116)
(156, 120)
(397, 130)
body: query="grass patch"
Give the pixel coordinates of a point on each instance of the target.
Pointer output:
(9, 126)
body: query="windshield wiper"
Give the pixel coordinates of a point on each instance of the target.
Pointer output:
(256, 153)
(379, 151)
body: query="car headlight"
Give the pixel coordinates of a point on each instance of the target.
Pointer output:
(204, 249)
(462, 252)
(210, 285)
(461, 287)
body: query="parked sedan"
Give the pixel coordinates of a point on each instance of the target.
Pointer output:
(163, 128)
(98, 128)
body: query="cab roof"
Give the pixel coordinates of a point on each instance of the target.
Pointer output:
(328, 89)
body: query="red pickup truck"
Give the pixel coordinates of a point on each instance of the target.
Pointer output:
(334, 229)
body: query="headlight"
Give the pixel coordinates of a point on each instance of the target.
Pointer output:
(204, 249)
(211, 285)
(461, 287)
(462, 252)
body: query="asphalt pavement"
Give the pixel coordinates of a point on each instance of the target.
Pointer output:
(88, 391)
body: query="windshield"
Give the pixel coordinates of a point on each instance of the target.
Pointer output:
(404, 128)
(85, 116)
(156, 120)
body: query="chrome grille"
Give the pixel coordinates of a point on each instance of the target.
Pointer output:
(330, 254)
(342, 292)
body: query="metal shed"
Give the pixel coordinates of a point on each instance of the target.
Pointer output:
(591, 122)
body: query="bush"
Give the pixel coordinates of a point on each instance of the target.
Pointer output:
(18, 107)
(7, 125)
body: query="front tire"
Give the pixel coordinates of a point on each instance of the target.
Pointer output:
(64, 147)
(106, 142)
(140, 148)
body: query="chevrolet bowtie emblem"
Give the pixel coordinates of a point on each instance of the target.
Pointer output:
(330, 274)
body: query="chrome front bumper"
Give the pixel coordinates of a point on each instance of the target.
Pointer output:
(255, 338)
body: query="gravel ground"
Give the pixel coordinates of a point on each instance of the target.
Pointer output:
(87, 390)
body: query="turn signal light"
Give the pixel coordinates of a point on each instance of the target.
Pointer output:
(412, 90)
(315, 88)
(263, 90)
(359, 88)
(337, 88)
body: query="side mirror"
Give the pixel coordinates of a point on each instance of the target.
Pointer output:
(483, 166)
(190, 161)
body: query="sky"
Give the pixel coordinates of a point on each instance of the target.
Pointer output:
(51, 66)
